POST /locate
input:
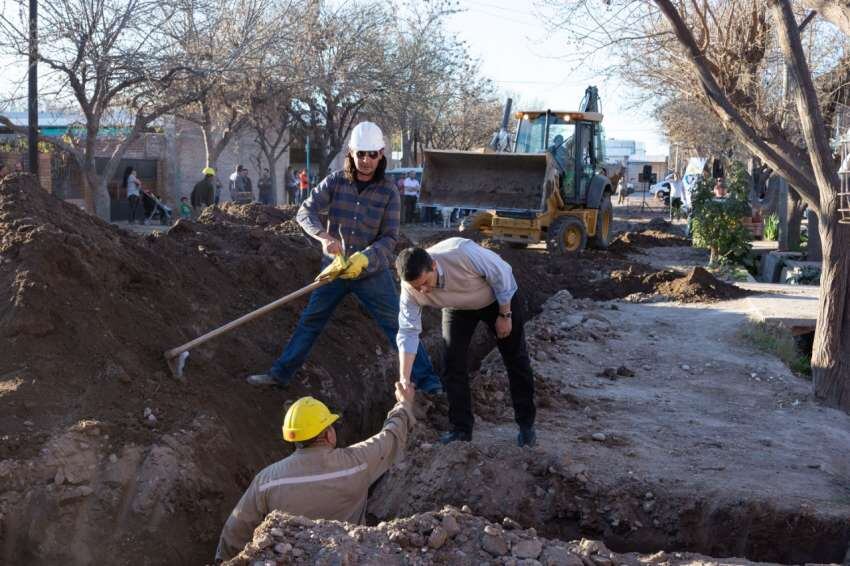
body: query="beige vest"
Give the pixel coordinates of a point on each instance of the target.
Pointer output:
(464, 288)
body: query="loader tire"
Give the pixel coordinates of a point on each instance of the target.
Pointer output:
(566, 236)
(604, 225)
(476, 224)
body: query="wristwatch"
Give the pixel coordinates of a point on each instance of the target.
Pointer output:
(506, 315)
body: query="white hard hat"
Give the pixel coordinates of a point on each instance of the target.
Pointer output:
(366, 136)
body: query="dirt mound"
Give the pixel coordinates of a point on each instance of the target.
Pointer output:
(86, 311)
(633, 241)
(252, 213)
(700, 286)
(450, 536)
(277, 218)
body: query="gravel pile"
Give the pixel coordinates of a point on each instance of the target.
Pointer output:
(449, 536)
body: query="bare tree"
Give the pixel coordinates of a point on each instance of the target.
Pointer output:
(739, 58)
(344, 49)
(464, 120)
(108, 59)
(237, 37)
(271, 118)
(685, 123)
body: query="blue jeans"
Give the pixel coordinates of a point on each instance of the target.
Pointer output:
(378, 295)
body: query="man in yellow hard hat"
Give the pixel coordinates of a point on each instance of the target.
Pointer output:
(319, 480)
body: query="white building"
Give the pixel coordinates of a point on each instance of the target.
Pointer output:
(631, 155)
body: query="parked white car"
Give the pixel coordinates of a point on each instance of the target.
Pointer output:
(660, 190)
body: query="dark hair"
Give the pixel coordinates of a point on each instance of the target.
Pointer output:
(411, 263)
(127, 171)
(315, 440)
(350, 170)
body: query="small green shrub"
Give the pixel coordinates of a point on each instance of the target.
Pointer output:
(716, 223)
(771, 227)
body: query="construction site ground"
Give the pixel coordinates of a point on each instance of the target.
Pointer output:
(659, 427)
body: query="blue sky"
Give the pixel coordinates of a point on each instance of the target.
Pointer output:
(523, 57)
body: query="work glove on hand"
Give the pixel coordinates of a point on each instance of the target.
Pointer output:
(335, 269)
(356, 264)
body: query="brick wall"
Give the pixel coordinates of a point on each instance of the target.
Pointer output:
(44, 175)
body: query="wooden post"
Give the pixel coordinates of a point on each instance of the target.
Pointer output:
(32, 95)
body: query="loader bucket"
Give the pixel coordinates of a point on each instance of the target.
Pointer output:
(493, 181)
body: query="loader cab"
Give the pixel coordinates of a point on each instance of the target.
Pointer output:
(573, 140)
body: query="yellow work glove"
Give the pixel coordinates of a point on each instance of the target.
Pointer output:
(356, 264)
(335, 269)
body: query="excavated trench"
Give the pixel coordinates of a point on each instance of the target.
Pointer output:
(105, 458)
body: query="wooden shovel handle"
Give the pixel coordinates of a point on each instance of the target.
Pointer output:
(246, 318)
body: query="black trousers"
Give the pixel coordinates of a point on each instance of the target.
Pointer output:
(458, 328)
(409, 209)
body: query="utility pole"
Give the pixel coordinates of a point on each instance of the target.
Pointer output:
(33, 90)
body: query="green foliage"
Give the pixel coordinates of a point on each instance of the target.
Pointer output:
(778, 340)
(21, 145)
(771, 227)
(716, 223)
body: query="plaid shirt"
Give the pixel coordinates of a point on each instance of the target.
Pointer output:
(368, 220)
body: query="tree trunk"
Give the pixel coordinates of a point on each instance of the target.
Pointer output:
(814, 252)
(782, 205)
(795, 219)
(102, 200)
(407, 157)
(831, 351)
(88, 193)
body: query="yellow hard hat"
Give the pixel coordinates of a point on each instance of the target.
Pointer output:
(305, 419)
(208, 171)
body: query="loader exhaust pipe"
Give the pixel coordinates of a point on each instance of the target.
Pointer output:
(501, 140)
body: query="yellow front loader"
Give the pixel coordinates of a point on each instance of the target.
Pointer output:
(551, 187)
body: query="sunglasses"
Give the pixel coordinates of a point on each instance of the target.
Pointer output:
(371, 154)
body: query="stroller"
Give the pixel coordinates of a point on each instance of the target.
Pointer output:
(154, 207)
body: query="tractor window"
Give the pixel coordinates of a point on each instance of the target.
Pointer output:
(532, 138)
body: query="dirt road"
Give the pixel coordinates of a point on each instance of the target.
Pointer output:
(658, 428)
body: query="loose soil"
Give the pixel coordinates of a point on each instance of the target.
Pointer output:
(700, 286)
(106, 458)
(103, 452)
(625, 243)
(450, 536)
(657, 428)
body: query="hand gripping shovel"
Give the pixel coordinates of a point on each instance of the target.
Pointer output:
(177, 357)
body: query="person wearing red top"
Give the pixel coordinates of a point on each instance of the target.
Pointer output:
(304, 184)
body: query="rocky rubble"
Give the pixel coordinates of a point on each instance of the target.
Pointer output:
(449, 536)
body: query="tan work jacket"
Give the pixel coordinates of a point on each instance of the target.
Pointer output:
(318, 482)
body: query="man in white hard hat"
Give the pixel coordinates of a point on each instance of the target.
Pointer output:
(319, 480)
(362, 210)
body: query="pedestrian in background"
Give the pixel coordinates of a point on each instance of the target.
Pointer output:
(241, 189)
(292, 189)
(411, 195)
(185, 209)
(621, 191)
(204, 191)
(133, 187)
(264, 186)
(303, 186)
